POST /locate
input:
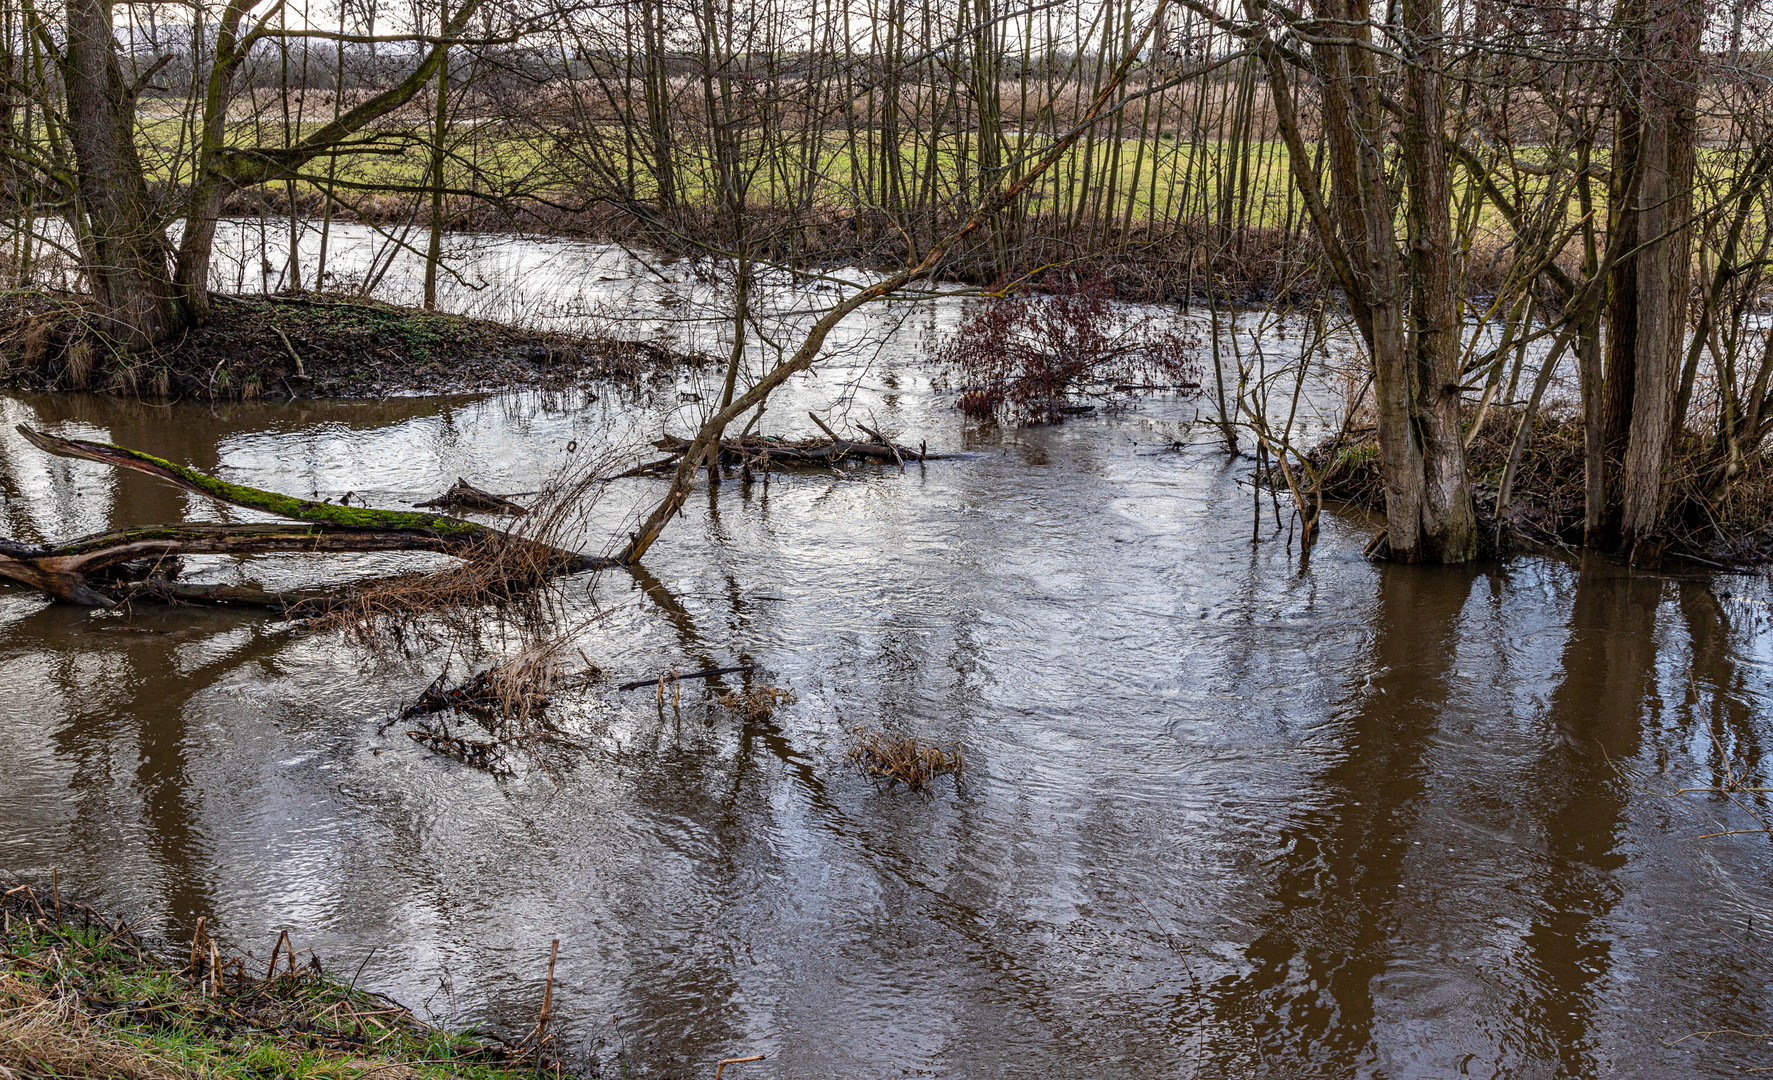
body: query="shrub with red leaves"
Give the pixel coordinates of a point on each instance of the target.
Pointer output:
(1037, 356)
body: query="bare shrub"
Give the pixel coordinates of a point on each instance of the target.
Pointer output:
(1034, 356)
(505, 577)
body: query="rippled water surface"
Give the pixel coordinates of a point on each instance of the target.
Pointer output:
(1225, 814)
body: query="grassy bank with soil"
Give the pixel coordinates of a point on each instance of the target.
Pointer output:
(84, 997)
(304, 345)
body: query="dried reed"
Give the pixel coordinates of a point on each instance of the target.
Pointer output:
(502, 579)
(903, 759)
(758, 703)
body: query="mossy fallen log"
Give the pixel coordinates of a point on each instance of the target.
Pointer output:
(68, 571)
(251, 498)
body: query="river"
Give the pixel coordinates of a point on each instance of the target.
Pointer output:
(1225, 812)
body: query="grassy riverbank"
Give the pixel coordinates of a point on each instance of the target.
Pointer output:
(303, 346)
(82, 997)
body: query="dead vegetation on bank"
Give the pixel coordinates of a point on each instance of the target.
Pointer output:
(83, 996)
(1722, 525)
(304, 345)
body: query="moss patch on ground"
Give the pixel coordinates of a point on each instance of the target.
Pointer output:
(305, 346)
(81, 997)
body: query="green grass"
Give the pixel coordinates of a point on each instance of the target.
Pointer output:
(1166, 176)
(80, 998)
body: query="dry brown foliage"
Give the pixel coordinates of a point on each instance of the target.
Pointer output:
(903, 759)
(44, 1036)
(503, 579)
(757, 703)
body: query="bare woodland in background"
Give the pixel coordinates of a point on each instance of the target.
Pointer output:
(1539, 220)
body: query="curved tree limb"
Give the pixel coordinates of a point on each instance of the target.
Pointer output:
(347, 517)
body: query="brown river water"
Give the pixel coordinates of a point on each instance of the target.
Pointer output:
(1224, 814)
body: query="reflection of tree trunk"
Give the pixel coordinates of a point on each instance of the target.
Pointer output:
(1609, 660)
(1308, 996)
(1722, 697)
(152, 708)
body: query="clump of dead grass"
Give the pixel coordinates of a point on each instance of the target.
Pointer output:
(45, 1036)
(903, 759)
(758, 703)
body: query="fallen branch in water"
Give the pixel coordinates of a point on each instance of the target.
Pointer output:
(670, 676)
(108, 568)
(770, 450)
(465, 496)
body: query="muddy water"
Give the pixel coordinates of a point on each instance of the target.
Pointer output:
(1225, 814)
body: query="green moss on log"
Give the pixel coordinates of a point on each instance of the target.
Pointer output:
(270, 502)
(348, 517)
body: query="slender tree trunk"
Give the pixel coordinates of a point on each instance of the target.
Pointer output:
(440, 121)
(1652, 401)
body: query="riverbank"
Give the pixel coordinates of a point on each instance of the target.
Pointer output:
(1183, 260)
(1724, 527)
(305, 345)
(83, 997)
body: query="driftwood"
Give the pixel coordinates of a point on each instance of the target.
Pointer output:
(465, 496)
(769, 450)
(84, 571)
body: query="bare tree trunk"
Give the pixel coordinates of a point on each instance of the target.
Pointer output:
(1356, 136)
(127, 257)
(1652, 401)
(440, 120)
(1648, 292)
(1449, 525)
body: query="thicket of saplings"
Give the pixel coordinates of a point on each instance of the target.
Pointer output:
(1590, 178)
